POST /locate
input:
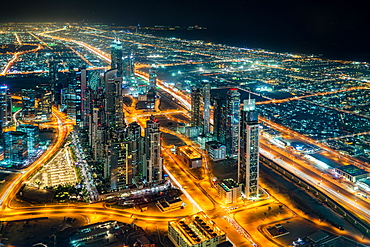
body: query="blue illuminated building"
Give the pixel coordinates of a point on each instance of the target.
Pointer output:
(32, 137)
(15, 148)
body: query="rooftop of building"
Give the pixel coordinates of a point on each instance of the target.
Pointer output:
(352, 170)
(190, 152)
(228, 184)
(197, 228)
(215, 144)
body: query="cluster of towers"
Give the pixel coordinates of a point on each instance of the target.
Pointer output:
(129, 157)
(235, 125)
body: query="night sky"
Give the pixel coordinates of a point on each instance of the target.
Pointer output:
(334, 28)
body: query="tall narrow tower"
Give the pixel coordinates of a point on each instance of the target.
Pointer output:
(153, 77)
(116, 55)
(232, 122)
(206, 108)
(248, 162)
(5, 105)
(135, 152)
(195, 107)
(3, 111)
(219, 119)
(154, 166)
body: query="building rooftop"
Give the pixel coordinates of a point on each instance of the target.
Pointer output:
(228, 184)
(190, 152)
(215, 144)
(197, 228)
(352, 170)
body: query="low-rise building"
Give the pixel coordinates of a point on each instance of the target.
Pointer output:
(352, 173)
(189, 156)
(229, 191)
(169, 205)
(216, 150)
(195, 231)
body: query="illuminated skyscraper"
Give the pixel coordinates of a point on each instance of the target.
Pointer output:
(129, 67)
(97, 128)
(152, 77)
(55, 87)
(32, 133)
(153, 169)
(2, 112)
(151, 97)
(196, 117)
(248, 161)
(219, 119)
(116, 55)
(15, 148)
(114, 101)
(232, 122)
(44, 106)
(206, 108)
(80, 90)
(29, 107)
(117, 145)
(5, 109)
(135, 152)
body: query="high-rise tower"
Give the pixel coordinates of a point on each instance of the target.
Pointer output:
(152, 77)
(206, 108)
(116, 55)
(29, 106)
(232, 122)
(196, 117)
(248, 161)
(5, 105)
(135, 152)
(219, 121)
(32, 133)
(153, 170)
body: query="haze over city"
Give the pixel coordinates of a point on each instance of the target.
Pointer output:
(184, 124)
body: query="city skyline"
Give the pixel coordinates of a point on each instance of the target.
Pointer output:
(332, 28)
(196, 142)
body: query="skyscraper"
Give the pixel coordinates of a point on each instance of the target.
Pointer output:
(44, 106)
(153, 169)
(196, 117)
(114, 101)
(206, 108)
(80, 91)
(55, 87)
(97, 128)
(219, 122)
(248, 161)
(32, 133)
(136, 152)
(28, 100)
(5, 105)
(116, 55)
(15, 148)
(232, 122)
(117, 145)
(152, 77)
(129, 67)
